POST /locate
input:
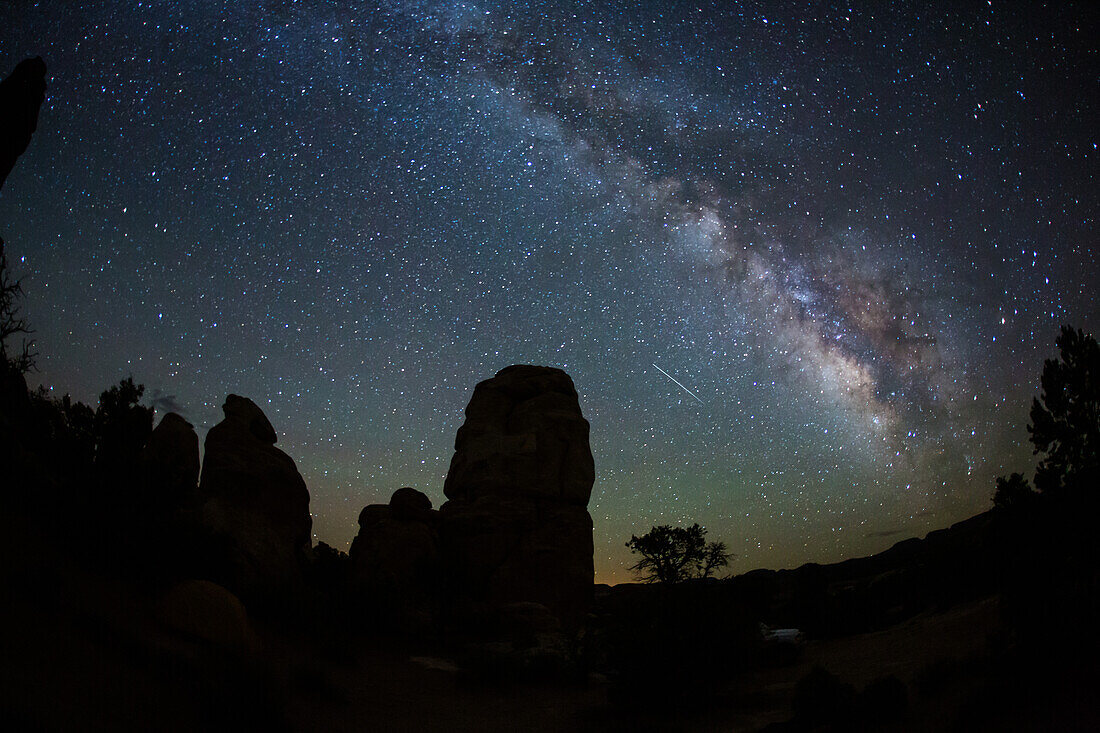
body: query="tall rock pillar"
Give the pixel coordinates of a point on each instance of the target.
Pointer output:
(516, 526)
(253, 497)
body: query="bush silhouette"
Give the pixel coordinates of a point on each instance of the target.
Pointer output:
(1053, 587)
(1064, 428)
(1065, 419)
(1013, 494)
(674, 554)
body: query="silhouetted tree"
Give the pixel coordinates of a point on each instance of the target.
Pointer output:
(1054, 582)
(715, 557)
(122, 426)
(12, 323)
(674, 554)
(1065, 418)
(67, 430)
(1012, 493)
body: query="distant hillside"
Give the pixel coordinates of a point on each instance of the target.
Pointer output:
(948, 566)
(960, 563)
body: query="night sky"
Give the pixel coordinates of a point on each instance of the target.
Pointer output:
(803, 264)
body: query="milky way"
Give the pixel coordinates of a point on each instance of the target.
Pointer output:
(847, 239)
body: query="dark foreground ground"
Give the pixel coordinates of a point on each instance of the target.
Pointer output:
(946, 660)
(85, 651)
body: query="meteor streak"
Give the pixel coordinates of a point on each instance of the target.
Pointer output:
(662, 371)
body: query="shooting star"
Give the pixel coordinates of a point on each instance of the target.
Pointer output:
(662, 371)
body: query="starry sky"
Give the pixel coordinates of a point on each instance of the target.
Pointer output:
(802, 262)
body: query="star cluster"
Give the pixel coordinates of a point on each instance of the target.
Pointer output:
(803, 263)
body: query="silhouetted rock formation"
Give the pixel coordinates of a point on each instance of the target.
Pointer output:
(171, 460)
(15, 416)
(395, 559)
(206, 611)
(516, 526)
(253, 496)
(21, 95)
(408, 504)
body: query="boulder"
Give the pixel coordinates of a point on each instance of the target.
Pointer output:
(395, 559)
(208, 612)
(409, 504)
(516, 527)
(171, 459)
(253, 497)
(527, 619)
(243, 412)
(371, 515)
(21, 96)
(391, 557)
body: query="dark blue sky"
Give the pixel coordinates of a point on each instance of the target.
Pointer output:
(850, 234)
